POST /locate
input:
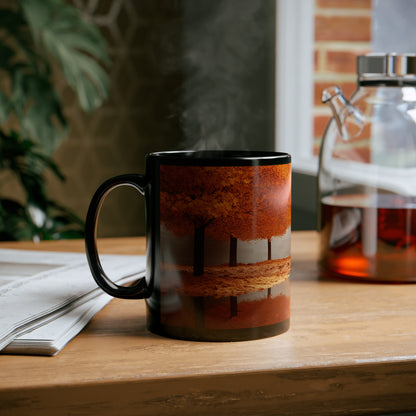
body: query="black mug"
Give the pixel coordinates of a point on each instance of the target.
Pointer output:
(218, 243)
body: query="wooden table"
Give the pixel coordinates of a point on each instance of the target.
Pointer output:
(351, 349)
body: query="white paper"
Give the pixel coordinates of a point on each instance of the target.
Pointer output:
(46, 298)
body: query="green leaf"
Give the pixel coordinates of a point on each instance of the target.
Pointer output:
(22, 158)
(34, 33)
(89, 80)
(4, 107)
(6, 54)
(38, 108)
(13, 23)
(77, 45)
(10, 20)
(14, 222)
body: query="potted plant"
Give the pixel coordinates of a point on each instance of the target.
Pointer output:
(37, 38)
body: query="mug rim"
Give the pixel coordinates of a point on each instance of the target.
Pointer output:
(220, 157)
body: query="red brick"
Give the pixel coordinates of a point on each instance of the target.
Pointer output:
(344, 4)
(366, 132)
(357, 148)
(341, 61)
(319, 125)
(344, 28)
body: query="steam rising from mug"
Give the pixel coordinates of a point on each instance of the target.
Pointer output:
(228, 85)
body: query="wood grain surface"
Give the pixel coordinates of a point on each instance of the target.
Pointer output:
(351, 349)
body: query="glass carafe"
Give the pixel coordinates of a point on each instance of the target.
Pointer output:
(367, 174)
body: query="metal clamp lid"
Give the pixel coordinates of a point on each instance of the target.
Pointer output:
(390, 66)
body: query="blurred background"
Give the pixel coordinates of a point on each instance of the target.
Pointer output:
(183, 74)
(187, 74)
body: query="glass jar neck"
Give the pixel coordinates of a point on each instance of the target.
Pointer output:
(386, 82)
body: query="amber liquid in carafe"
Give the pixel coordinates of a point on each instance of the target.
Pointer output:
(369, 237)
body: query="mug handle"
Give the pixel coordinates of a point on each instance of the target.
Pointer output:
(139, 290)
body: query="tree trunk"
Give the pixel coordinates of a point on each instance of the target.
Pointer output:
(233, 306)
(269, 257)
(233, 263)
(233, 251)
(199, 245)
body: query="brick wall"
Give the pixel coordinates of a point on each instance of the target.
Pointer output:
(342, 32)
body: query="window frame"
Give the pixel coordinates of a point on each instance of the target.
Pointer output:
(294, 83)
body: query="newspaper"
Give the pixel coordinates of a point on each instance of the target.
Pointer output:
(46, 298)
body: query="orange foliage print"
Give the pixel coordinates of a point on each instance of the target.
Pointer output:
(245, 202)
(225, 203)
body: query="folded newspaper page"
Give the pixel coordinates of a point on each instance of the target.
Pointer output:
(46, 298)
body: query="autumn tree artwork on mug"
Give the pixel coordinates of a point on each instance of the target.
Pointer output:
(226, 261)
